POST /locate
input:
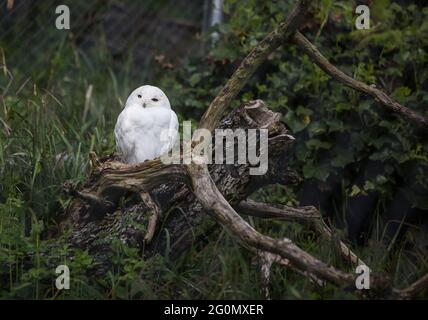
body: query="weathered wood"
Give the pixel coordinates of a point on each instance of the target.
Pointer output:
(213, 201)
(95, 227)
(308, 216)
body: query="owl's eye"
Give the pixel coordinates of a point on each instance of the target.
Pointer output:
(139, 96)
(155, 99)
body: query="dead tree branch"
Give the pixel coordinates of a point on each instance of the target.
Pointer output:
(213, 201)
(413, 290)
(308, 216)
(338, 75)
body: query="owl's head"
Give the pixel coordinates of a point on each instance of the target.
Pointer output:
(148, 97)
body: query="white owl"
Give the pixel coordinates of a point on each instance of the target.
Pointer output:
(147, 127)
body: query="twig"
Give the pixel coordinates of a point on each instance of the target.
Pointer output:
(414, 289)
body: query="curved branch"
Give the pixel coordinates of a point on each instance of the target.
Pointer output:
(306, 215)
(214, 202)
(340, 76)
(414, 289)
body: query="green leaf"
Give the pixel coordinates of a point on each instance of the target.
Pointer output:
(342, 106)
(302, 111)
(355, 191)
(318, 144)
(195, 78)
(319, 172)
(342, 158)
(294, 122)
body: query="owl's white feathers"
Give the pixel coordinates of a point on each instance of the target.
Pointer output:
(147, 127)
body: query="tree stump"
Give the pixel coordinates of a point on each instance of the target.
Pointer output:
(109, 207)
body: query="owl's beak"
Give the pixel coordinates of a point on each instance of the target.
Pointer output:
(144, 105)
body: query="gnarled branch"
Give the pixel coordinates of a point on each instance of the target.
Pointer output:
(342, 77)
(213, 201)
(309, 216)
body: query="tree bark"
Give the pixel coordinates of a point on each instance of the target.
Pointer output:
(108, 207)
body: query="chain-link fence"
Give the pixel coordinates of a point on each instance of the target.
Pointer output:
(149, 30)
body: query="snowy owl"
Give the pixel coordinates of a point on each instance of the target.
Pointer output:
(147, 127)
